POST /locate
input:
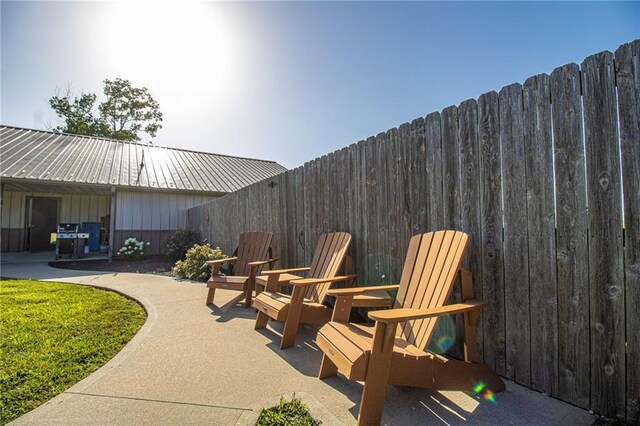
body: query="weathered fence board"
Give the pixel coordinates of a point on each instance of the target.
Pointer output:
(393, 199)
(628, 80)
(403, 162)
(470, 194)
(355, 208)
(371, 258)
(606, 279)
(300, 217)
(416, 178)
(307, 197)
(452, 208)
(451, 169)
(516, 266)
(433, 172)
(382, 212)
(544, 207)
(494, 345)
(571, 237)
(541, 231)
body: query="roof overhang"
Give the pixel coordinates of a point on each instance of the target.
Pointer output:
(80, 188)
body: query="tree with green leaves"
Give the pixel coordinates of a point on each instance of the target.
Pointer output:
(126, 112)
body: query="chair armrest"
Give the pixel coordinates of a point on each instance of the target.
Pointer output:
(404, 314)
(284, 271)
(221, 261)
(305, 282)
(262, 262)
(360, 290)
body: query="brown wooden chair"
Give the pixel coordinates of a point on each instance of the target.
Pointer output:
(394, 350)
(305, 304)
(253, 252)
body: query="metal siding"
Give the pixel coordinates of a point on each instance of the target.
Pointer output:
(173, 213)
(120, 202)
(93, 206)
(139, 209)
(11, 210)
(65, 208)
(103, 205)
(85, 202)
(75, 209)
(165, 213)
(156, 211)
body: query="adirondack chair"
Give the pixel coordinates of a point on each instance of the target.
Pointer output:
(394, 350)
(252, 254)
(305, 304)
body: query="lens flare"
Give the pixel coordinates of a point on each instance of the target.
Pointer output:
(489, 396)
(479, 387)
(444, 343)
(444, 335)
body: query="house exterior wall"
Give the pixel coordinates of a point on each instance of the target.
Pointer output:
(147, 216)
(152, 216)
(73, 209)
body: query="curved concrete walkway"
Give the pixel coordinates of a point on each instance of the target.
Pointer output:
(190, 364)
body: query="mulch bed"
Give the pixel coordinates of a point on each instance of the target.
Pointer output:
(152, 265)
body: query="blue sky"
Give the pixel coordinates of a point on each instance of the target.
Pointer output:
(291, 81)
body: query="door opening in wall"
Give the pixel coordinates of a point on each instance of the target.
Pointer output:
(42, 220)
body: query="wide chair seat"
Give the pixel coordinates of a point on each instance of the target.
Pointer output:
(276, 305)
(348, 345)
(283, 279)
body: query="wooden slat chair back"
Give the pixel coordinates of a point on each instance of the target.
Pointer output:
(327, 259)
(252, 254)
(253, 246)
(429, 272)
(394, 351)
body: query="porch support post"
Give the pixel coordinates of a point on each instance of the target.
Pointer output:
(112, 221)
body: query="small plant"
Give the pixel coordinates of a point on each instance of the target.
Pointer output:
(194, 266)
(133, 249)
(178, 243)
(287, 413)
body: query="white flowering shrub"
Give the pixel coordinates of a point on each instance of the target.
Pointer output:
(133, 249)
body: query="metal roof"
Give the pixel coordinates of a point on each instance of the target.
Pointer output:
(49, 157)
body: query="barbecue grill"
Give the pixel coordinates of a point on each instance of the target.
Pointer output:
(69, 241)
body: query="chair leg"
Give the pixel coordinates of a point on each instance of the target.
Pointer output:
(261, 320)
(290, 331)
(249, 287)
(293, 318)
(247, 300)
(210, 294)
(327, 368)
(375, 384)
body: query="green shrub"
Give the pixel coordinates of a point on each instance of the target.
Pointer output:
(179, 242)
(287, 413)
(133, 249)
(194, 266)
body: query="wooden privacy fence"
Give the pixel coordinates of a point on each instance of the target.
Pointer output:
(544, 176)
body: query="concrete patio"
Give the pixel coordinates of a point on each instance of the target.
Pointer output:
(192, 364)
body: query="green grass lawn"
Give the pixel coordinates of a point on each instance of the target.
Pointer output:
(53, 335)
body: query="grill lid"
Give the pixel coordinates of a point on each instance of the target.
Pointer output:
(68, 227)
